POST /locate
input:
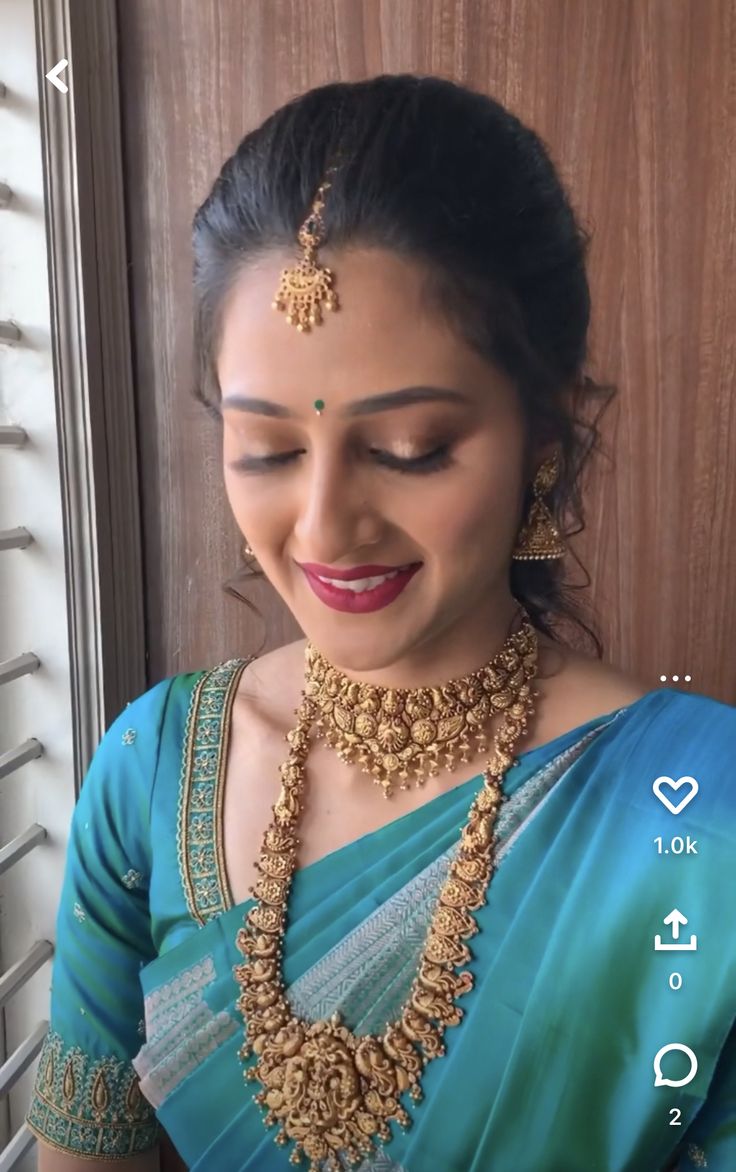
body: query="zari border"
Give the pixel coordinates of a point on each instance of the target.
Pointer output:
(91, 1109)
(199, 831)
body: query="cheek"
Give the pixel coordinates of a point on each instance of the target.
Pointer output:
(478, 509)
(260, 509)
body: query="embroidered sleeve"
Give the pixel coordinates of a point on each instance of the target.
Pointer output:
(86, 1099)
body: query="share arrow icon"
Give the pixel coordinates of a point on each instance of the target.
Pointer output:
(53, 76)
(675, 918)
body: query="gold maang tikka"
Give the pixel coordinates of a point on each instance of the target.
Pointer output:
(307, 286)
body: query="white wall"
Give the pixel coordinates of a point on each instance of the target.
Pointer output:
(33, 592)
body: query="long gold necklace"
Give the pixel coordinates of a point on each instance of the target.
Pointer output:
(329, 1089)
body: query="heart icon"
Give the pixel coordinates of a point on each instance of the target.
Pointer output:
(675, 785)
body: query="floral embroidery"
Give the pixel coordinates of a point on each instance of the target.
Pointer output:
(142, 1028)
(129, 736)
(89, 1107)
(697, 1156)
(79, 912)
(132, 879)
(199, 821)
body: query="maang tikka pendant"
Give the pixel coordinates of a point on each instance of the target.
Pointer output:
(304, 288)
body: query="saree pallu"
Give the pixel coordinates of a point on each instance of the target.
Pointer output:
(552, 1067)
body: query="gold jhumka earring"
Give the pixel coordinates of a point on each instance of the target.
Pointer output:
(330, 1091)
(540, 538)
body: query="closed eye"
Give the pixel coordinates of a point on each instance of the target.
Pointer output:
(430, 462)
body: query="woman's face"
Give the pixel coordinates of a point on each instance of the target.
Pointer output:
(336, 500)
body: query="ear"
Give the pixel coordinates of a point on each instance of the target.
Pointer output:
(546, 445)
(542, 452)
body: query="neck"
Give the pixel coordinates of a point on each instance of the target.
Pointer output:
(446, 655)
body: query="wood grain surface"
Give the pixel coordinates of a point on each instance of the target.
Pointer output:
(636, 100)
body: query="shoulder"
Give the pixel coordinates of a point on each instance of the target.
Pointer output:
(168, 701)
(590, 688)
(573, 689)
(147, 708)
(675, 736)
(589, 683)
(660, 733)
(586, 683)
(144, 743)
(128, 752)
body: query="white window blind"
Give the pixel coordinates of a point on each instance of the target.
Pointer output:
(72, 646)
(36, 746)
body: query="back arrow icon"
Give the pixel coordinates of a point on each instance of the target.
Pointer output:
(53, 75)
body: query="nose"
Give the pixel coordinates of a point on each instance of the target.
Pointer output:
(334, 517)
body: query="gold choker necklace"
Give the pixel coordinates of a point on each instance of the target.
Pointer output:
(333, 1091)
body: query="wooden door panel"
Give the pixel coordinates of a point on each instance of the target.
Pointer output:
(636, 101)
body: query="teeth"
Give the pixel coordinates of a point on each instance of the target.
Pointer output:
(358, 585)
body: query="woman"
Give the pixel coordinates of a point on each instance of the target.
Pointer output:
(463, 976)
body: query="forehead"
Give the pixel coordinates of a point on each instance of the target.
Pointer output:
(384, 332)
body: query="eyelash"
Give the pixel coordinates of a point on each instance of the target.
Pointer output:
(422, 465)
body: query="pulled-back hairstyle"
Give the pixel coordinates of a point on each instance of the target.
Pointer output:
(447, 177)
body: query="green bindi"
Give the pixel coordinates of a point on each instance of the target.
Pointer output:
(319, 405)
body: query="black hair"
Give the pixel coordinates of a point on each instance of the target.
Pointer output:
(448, 177)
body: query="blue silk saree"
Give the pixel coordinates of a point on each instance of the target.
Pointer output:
(552, 1068)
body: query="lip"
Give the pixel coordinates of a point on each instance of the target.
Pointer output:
(351, 574)
(368, 600)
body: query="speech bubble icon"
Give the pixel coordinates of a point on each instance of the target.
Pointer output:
(660, 1081)
(675, 785)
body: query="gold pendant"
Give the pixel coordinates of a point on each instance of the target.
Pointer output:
(329, 1090)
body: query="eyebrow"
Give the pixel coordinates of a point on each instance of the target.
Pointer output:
(370, 406)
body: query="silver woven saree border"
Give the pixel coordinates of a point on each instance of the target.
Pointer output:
(368, 975)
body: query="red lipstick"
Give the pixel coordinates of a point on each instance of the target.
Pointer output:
(351, 574)
(363, 601)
